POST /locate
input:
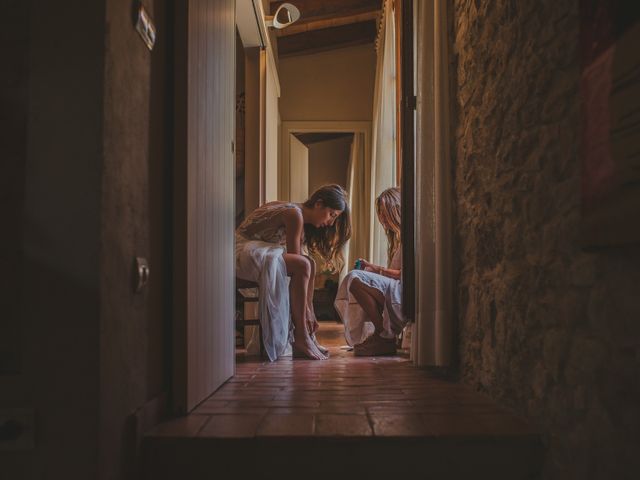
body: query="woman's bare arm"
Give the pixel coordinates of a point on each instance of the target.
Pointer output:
(293, 224)
(387, 272)
(390, 272)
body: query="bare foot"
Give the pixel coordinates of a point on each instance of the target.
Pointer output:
(306, 348)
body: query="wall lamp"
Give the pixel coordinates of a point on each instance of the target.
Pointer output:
(285, 15)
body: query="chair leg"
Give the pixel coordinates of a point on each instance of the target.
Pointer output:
(240, 306)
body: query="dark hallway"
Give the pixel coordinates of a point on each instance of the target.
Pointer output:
(541, 131)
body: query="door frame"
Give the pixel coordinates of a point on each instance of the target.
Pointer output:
(406, 108)
(314, 126)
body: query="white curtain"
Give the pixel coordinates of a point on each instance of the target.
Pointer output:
(432, 334)
(383, 151)
(359, 188)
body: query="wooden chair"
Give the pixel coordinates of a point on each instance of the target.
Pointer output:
(241, 299)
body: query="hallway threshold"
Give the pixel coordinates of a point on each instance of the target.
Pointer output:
(348, 409)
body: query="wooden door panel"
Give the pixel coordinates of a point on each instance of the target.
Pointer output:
(204, 199)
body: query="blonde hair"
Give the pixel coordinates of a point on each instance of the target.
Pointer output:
(327, 242)
(388, 208)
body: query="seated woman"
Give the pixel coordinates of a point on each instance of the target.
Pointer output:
(369, 300)
(269, 247)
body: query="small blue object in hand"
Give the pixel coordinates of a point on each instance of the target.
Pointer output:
(358, 265)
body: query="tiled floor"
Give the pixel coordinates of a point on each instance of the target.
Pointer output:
(347, 396)
(382, 402)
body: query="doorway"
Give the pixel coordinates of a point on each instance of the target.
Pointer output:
(187, 226)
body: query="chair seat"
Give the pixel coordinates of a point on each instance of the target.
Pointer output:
(246, 297)
(242, 283)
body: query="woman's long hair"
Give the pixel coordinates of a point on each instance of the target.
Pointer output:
(390, 216)
(327, 242)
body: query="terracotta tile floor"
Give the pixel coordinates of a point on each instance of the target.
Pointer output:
(273, 419)
(343, 396)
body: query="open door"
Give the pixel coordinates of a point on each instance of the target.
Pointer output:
(299, 174)
(204, 172)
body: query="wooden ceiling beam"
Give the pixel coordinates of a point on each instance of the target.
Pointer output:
(328, 21)
(317, 8)
(327, 39)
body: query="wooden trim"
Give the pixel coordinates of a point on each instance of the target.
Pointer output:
(328, 21)
(263, 126)
(248, 24)
(407, 128)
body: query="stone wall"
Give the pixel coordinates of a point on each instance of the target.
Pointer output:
(546, 327)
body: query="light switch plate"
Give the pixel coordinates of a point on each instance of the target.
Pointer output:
(146, 28)
(17, 429)
(142, 273)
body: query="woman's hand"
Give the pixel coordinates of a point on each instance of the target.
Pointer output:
(368, 266)
(312, 325)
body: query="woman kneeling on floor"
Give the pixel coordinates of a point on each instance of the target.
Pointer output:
(369, 298)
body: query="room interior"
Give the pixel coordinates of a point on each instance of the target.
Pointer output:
(120, 152)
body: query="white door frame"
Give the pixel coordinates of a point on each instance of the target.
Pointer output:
(311, 126)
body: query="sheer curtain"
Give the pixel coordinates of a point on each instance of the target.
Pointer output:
(383, 151)
(359, 187)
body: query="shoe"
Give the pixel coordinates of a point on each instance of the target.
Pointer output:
(375, 346)
(370, 340)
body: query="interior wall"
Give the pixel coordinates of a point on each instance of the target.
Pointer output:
(136, 213)
(332, 85)
(14, 97)
(328, 162)
(546, 326)
(53, 158)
